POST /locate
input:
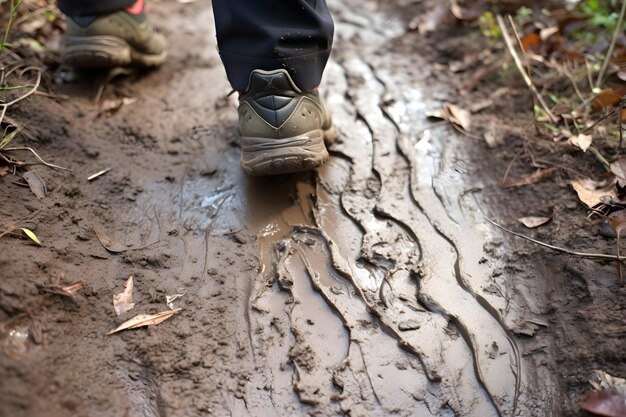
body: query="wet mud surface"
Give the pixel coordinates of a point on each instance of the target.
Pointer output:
(372, 287)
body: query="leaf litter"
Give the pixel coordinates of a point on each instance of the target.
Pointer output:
(143, 320)
(123, 301)
(69, 290)
(36, 184)
(533, 222)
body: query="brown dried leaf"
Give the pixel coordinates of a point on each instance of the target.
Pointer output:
(36, 184)
(529, 179)
(531, 41)
(123, 301)
(605, 99)
(619, 169)
(4, 170)
(107, 242)
(69, 290)
(605, 403)
(533, 222)
(145, 320)
(606, 381)
(110, 107)
(458, 116)
(593, 193)
(581, 141)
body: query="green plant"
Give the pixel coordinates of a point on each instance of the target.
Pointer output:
(12, 13)
(604, 13)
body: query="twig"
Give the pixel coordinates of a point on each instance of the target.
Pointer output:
(609, 54)
(98, 174)
(5, 106)
(26, 148)
(522, 71)
(556, 248)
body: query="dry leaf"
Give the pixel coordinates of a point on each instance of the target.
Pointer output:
(581, 141)
(453, 114)
(4, 170)
(605, 99)
(36, 184)
(546, 33)
(533, 222)
(529, 179)
(593, 193)
(608, 382)
(619, 169)
(31, 235)
(530, 41)
(605, 403)
(458, 116)
(123, 301)
(66, 290)
(110, 107)
(107, 242)
(145, 320)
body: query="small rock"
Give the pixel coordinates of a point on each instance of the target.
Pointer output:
(408, 325)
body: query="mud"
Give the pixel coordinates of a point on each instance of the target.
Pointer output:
(372, 287)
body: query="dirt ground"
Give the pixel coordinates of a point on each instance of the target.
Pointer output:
(374, 286)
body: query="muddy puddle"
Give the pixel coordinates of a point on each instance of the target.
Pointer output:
(368, 288)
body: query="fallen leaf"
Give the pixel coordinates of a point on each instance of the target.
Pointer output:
(608, 382)
(547, 33)
(123, 301)
(110, 107)
(31, 235)
(36, 184)
(581, 141)
(107, 242)
(4, 171)
(593, 193)
(605, 403)
(458, 116)
(533, 222)
(67, 290)
(529, 179)
(605, 99)
(619, 169)
(453, 114)
(145, 320)
(531, 41)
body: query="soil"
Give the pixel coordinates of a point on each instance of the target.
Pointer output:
(374, 286)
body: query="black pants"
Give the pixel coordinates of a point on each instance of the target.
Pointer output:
(256, 34)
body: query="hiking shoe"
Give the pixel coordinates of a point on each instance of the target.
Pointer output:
(124, 37)
(283, 129)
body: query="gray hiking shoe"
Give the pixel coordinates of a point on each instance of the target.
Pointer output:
(283, 129)
(116, 39)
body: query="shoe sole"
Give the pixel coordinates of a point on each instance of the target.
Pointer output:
(107, 51)
(263, 156)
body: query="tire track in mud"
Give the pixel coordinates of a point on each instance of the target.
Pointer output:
(406, 267)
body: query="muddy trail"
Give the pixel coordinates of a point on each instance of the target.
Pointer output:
(372, 287)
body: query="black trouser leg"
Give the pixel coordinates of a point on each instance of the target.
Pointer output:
(92, 7)
(273, 34)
